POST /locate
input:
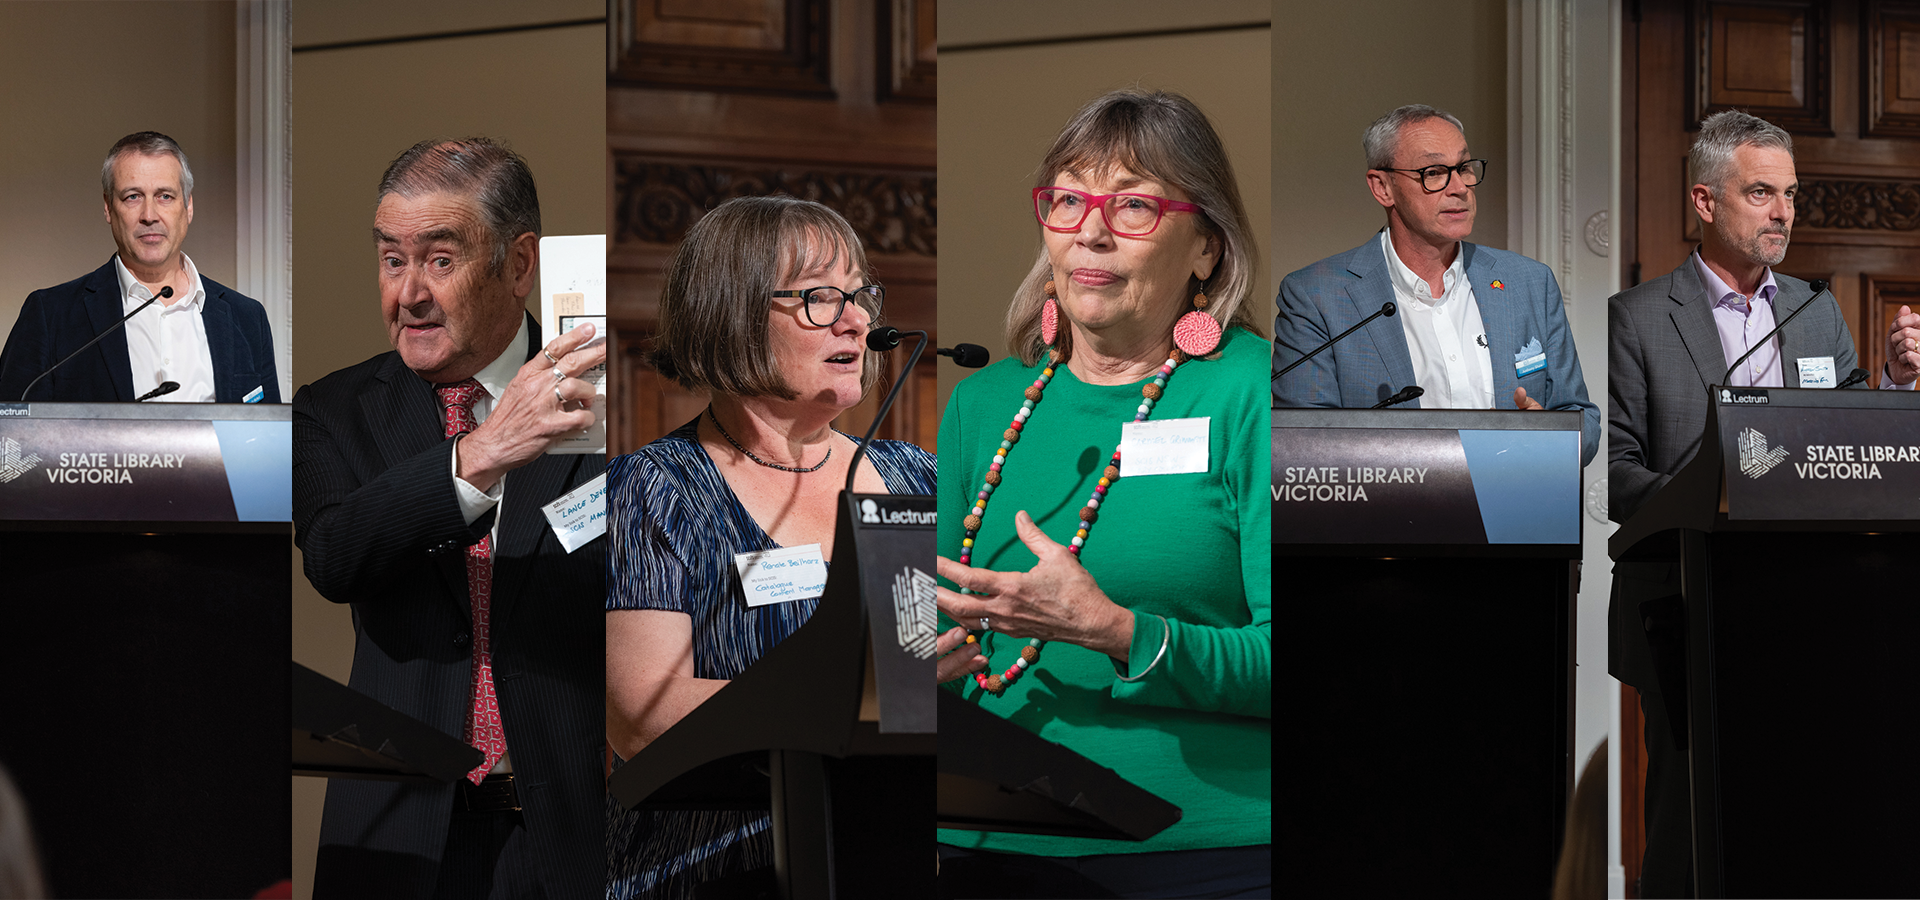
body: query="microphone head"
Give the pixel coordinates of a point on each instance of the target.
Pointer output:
(167, 291)
(971, 356)
(884, 338)
(1818, 285)
(1388, 309)
(1415, 392)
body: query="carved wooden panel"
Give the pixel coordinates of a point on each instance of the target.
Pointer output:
(1772, 58)
(1890, 69)
(778, 46)
(656, 201)
(1865, 204)
(906, 43)
(1880, 301)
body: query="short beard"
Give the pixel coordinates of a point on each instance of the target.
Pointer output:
(1752, 248)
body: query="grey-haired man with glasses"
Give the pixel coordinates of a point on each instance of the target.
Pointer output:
(1476, 328)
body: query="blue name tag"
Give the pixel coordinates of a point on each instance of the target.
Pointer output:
(255, 395)
(1530, 359)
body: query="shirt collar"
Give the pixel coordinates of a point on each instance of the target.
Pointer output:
(133, 293)
(501, 371)
(1410, 283)
(1723, 295)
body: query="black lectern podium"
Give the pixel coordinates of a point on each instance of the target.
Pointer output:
(855, 681)
(1427, 561)
(1794, 532)
(146, 551)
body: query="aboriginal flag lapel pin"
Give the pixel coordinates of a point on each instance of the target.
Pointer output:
(1498, 285)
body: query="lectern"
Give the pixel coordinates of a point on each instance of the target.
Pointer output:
(1427, 563)
(147, 554)
(1795, 531)
(857, 680)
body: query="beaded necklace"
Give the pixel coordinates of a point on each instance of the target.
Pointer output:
(1150, 394)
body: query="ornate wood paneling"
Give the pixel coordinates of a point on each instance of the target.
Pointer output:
(778, 46)
(1890, 69)
(906, 50)
(1772, 59)
(1880, 299)
(1857, 204)
(656, 200)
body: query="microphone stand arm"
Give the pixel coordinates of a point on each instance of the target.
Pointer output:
(906, 372)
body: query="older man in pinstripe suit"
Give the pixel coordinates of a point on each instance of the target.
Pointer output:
(418, 480)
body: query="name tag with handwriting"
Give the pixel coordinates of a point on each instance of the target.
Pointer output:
(580, 515)
(782, 575)
(1164, 447)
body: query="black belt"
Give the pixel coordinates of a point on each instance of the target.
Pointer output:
(493, 794)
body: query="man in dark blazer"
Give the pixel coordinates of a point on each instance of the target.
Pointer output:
(226, 357)
(1674, 337)
(468, 613)
(1420, 171)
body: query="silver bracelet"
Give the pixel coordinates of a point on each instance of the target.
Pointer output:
(1166, 632)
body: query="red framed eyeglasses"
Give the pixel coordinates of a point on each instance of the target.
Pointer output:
(1128, 215)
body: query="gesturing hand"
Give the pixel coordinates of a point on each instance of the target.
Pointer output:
(545, 402)
(1522, 401)
(957, 658)
(1056, 600)
(1903, 347)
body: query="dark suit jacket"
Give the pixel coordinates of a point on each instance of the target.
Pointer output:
(380, 527)
(1663, 355)
(1334, 294)
(58, 320)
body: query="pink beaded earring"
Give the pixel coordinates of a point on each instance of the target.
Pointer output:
(1049, 317)
(1197, 334)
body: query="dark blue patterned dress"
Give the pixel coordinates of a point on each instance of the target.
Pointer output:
(674, 527)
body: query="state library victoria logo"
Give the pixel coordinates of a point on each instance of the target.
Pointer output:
(1755, 459)
(13, 463)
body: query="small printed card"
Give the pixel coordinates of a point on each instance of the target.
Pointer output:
(1817, 372)
(580, 515)
(782, 575)
(1529, 360)
(1163, 447)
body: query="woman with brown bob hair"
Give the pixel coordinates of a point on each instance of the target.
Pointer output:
(1104, 514)
(767, 306)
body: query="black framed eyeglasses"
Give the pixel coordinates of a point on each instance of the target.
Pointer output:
(819, 299)
(1436, 178)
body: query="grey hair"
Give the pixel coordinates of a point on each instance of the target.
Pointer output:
(146, 143)
(715, 330)
(1165, 137)
(1710, 161)
(497, 179)
(1382, 139)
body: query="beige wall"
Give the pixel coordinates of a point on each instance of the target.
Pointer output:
(542, 91)
(1339, 66)
(67, 93)
(1001, 106)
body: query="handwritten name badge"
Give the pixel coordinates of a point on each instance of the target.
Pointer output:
(782, 575)
(1817, 372)
(1163, 447)
(580, 515)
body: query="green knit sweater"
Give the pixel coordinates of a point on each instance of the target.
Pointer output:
(1193, 548)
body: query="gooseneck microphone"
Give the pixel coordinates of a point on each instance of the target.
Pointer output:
(1406, 393)
(165, 388)
(1853, 378)
(1819, 286)
(971, 356)
(1386, 309)
(165, 292)
(882, 339)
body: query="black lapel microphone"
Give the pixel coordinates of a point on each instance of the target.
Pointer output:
(164, 293)
(1853, 378)
(971, 356)
(165, 388)
(1819, 286)
(1386, 309)
(1406, 393)
(882, 339)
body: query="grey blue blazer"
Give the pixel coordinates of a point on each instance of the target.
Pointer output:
(1519, 305)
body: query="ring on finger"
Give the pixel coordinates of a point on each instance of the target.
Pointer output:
(557, 396)
(558, 376)
(983, 624)
(549, 355)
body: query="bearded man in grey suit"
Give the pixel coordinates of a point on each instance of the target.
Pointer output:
(1478, 328)
(1674, 337)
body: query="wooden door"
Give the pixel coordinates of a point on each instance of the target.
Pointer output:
(826, 100)
(1843, 77)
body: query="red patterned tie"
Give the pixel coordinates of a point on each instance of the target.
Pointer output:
(483, 712)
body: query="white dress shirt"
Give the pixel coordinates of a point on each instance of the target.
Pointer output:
(168, 342)
(1445, 336)
(475, 502)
